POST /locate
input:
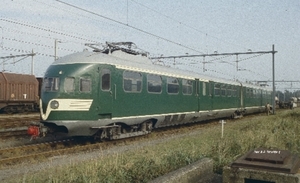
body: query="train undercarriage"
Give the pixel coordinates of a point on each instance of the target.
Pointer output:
(119, 131)
(238, 113)
(110, 132)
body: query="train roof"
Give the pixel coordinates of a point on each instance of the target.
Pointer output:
(138, 63)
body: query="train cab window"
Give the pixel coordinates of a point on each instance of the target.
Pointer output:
(172, 85)
(69, 84)
(105, 80)
(132, 81)
(51, 84)
(154, 83)
(85, 85)
(187, 87)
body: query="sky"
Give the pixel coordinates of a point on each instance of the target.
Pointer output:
(162, 28)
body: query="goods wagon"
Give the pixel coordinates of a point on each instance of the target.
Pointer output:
(18, 92)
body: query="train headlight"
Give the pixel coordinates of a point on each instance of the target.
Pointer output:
(54, 104)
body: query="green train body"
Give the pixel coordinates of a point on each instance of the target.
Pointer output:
(117, 95)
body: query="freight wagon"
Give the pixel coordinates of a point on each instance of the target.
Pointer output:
(18, 92)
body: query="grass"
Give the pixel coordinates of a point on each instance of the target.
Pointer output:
(146, 163)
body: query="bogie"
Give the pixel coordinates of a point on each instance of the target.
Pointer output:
(112, 132)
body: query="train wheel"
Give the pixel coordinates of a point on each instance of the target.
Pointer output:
(103, 134)
(123, 131)
(233, 116)
(149, 126)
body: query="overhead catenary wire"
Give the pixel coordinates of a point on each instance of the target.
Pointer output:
(184, 24)
(89, 17)
(46, 29)
(25, 51)
(96, 14)
(127, 25)
(38, 44)
(38, 35)
(64, 34)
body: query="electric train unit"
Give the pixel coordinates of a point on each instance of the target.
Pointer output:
(118, 92)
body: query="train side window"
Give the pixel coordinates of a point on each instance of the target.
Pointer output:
(85, 85)
(51, 84)
(132, 81)
(269, 93)
(254, 93)
(217, 89)
(229, 91)
(69, 84)
(234, 91)
(248, 93)
(154, 83)
(172, 85)
(187, 87)
(223, 90)
(105, 80)
(264, 94)
(259, 93)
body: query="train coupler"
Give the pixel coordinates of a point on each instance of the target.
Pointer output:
(36, 130)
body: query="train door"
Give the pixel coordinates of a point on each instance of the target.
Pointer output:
(105, 93)
(205, 96)
(242, 95)
(197, 93)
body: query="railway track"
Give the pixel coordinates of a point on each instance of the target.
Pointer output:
(13, 121)
(40, 152)
(12, 117)
(16, 125)
(35, 153)
(13, 132)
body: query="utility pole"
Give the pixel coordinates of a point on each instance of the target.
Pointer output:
(32, 63)
(273, 73)
(55, 48)
(2, 38)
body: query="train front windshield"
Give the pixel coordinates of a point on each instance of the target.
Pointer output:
(51, 84)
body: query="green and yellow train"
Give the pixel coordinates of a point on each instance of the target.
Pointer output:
(118, 93)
